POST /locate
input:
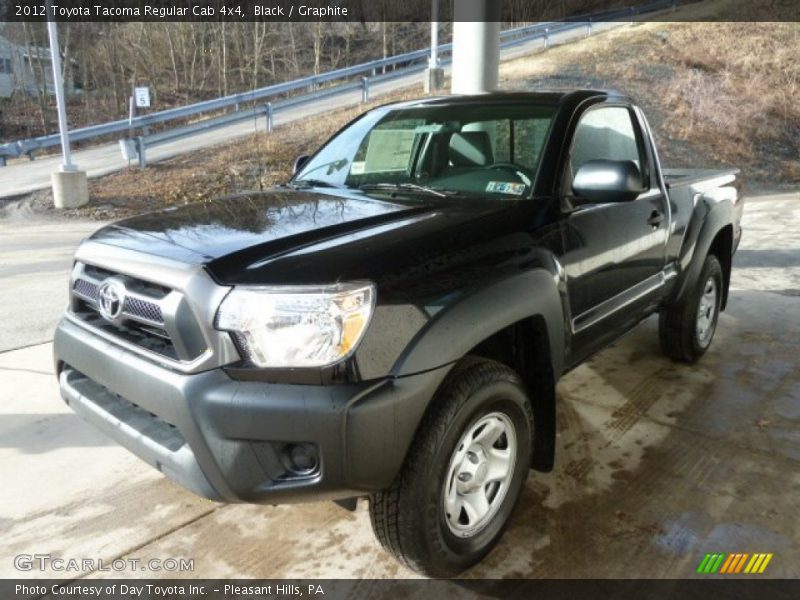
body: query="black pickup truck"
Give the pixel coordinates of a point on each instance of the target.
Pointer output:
(391, 323)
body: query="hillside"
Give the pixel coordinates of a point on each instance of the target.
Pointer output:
(716, 94)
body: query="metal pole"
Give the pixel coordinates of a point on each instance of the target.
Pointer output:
(434, 60)
(131, 114)
(58, 83)
(140, 150)
(476, 46)
(364, 90)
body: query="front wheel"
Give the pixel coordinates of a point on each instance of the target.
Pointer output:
(687, 328)
(465, 470)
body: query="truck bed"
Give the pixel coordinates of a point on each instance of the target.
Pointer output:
(682, 177)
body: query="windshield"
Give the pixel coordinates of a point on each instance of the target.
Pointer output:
(489, 150)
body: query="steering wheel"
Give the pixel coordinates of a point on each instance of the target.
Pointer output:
(518, 170)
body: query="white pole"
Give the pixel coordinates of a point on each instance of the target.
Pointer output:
(58, 84)
(476, 46)
(70, 188)
(434, 60)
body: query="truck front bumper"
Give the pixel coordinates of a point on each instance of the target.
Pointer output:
(244, 441)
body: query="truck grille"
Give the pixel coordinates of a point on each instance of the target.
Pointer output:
(141, 308)
(148, 317)
(134, 307)
(86, 289)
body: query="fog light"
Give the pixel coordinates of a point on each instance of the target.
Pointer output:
(302, 458)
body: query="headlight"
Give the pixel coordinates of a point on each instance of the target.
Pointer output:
(298, 326)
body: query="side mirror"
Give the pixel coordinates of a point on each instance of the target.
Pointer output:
(299, 163)
(608, 181)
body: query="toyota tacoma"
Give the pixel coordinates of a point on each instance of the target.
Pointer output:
(391, 323)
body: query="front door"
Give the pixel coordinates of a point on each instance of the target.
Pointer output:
(613, 253)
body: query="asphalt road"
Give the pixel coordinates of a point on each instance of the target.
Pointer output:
(22, 176)
(657, 463)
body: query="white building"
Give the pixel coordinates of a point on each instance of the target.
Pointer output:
(22, 70)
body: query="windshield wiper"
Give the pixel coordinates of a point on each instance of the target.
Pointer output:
(409, 187)
(307, 183)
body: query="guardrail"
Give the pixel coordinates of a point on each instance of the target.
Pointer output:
(367, 73)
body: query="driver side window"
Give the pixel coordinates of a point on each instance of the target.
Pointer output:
(604, 133)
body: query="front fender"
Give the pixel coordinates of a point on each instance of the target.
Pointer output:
(458, 328)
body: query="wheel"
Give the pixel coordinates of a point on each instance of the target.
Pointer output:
(464, 472)
(687, 328)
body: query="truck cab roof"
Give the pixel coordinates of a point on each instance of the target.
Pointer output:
(551, 96)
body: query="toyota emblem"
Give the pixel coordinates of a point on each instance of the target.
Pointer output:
(111, 299)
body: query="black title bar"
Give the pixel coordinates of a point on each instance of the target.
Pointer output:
(418, 589)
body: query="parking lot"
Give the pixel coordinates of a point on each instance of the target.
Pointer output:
(657, 463)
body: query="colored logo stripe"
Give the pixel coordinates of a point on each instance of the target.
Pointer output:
(710, 563)
(758, 563)
(703, 563)
(734, 563)
(728, 563)
(737, 563)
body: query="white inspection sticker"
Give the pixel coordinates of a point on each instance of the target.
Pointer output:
(506, 187)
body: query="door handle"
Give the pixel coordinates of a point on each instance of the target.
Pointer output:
(655, 219)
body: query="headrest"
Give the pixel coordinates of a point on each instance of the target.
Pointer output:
(471, 149)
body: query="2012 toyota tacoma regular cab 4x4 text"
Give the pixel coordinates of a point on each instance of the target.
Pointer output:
(392, 322)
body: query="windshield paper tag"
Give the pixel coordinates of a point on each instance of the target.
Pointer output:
(358, 167)
(506, 187)
(389, 150)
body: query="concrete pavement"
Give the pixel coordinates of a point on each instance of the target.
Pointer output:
(657, 463)
(35, 262)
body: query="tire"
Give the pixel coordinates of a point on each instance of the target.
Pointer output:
(415, 518)
(686, 328)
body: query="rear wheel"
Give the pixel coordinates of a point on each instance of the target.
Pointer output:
(687, 328)
(452, 500)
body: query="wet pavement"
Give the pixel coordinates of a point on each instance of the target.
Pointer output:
(657, 463)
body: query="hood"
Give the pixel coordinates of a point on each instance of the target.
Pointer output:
(287, 237)
(271, 222)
